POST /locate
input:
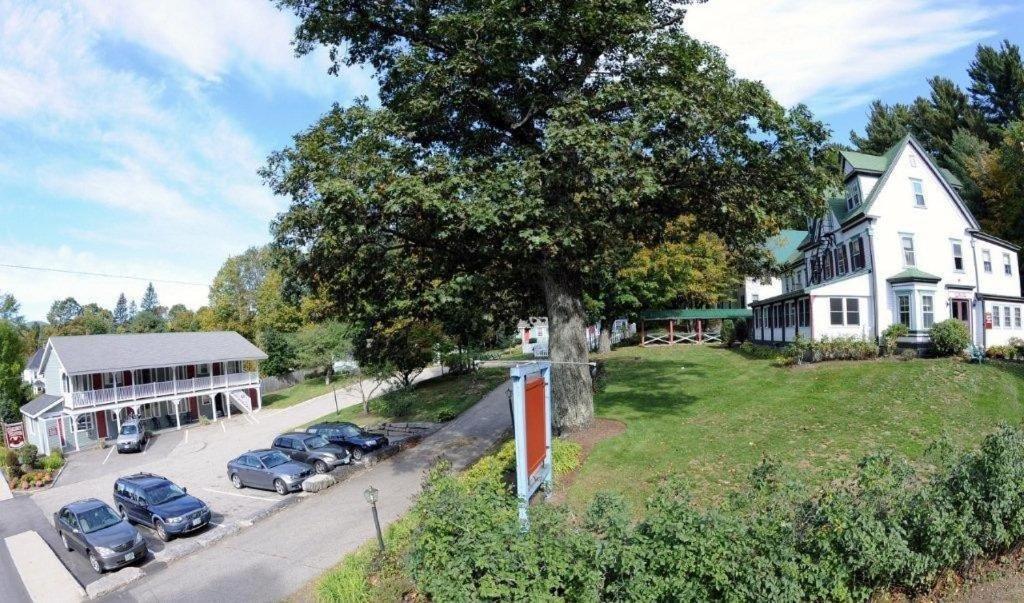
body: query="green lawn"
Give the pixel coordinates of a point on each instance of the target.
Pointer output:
(300, 392)
(439, 399)
(709, 414)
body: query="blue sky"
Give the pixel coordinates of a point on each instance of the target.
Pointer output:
(131, 132)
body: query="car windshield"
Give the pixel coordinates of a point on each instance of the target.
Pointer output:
(166, 491)
(316, 442)
(349, 430)
(129, 429)
(97, 519)
(273, 459)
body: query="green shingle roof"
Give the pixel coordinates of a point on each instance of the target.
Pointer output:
(913, 275)
(784, 244)
(862, 162)
(697, 314)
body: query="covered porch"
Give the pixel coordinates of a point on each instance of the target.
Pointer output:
(688, 325)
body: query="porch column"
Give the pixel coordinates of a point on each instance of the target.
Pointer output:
(259, 399)
(227, 404)
(700, 334)
(671, 332)
(117, 416)
(177, 412)
(642, 335)
(74, 430)
(213, 403)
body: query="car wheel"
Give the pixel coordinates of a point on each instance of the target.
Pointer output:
(321, 467)
(237, 482)
(64, 540)
(280, 487)
(357, 454)
(161, 531)
(95, 563)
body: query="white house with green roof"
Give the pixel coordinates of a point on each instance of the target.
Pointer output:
(900, 246)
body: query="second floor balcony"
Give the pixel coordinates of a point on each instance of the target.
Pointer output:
(158, 390)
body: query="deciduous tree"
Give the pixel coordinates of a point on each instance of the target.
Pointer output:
(519, 141)
(12, 363)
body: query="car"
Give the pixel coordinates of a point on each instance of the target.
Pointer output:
(313, 450)
(161, 504)
(91, 527)
(356, 439)
(268, 469)
(132, 436)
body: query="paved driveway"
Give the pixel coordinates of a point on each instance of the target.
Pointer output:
(194, 458)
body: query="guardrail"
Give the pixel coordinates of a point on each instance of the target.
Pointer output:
(159, 389)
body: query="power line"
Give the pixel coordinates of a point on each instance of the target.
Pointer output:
(104, 274)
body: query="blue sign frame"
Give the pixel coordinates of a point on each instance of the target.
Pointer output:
(527, 485)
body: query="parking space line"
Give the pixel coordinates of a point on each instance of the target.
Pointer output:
(222, 428)
(239, 495)
(145, 446)
(186, 435)
(108, 454)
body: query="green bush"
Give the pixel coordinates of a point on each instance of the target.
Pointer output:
(1001, 351)
(8, 458)
(891, 334)
(27, 455)
(885, 528)
(763, 352)
(1018, 346)
(950, 337)
(53, 461)
(836, 348)
(728, 331)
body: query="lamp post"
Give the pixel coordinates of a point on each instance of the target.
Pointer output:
(372, 494)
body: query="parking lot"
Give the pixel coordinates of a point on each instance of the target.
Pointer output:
(195, 458)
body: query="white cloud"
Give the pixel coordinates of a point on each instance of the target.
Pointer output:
(805, 48)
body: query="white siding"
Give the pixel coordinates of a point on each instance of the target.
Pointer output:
(997, 282)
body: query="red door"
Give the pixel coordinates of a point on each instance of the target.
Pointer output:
(101, 423)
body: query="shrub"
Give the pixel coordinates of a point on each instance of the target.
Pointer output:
(837, 348)
(1000, 351)
(950, 337)
(27, 455)
(53, 461)
(8, 457)
(728, 331)
(1018, 346)
(760, 351)
(891, 334)
(908, 354)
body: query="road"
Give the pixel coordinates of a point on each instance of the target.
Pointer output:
(279, 555)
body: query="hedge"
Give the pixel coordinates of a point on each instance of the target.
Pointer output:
(887, 527)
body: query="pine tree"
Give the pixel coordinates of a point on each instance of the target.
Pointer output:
(121, 316)
(133, 309)
(887, 125)
(997, 85)
(150, 301)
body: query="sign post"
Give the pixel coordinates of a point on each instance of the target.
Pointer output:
(531, 420)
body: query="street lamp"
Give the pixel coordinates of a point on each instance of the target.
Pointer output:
(372, 494)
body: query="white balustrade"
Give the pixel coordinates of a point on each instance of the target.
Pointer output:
(141, 391)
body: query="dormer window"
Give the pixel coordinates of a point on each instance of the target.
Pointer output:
(918, 192)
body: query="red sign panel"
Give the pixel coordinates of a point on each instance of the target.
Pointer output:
(988, 320)
(14, 435)
(536, 425)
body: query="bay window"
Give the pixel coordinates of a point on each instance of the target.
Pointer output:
(903, 309)
(927, 311)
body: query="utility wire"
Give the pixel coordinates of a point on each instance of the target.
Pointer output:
(104, 274)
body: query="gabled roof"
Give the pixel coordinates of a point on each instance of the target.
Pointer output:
(863, 162)
(887, 158)
(102, 353)
(913, 275)
(40, 405)
(33, 362)
(784, 244)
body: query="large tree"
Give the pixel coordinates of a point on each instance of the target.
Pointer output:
(150, 301)
(63, 311)
(121, 316)
(997, 84)
(12, 362)
(519, 142)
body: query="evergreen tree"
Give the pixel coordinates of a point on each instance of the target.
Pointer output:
(887, 125)
(150, 301)
(997, 85)
(121, 316)
(12, 363)
(133, 310)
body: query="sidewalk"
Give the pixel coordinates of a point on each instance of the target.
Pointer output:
(279, 555)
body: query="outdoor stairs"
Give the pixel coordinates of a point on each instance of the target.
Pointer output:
(241, 401)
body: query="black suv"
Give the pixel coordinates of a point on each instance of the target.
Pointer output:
(313, 450)
(160, 504)
(351, 436)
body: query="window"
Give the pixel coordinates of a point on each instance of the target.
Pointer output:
(927, 311)
(995, 316)
(841, 259)
(826, 260)
(755, 297)
(903, 305)
(1007, 269)
(852, 195)
(790, 314)
(986, 260)
(913, 160)
(85, 422)
(1016, 317)
(757, 325)
(857, 253)
(907, 243)
(852, 311)
(836, 310)
(815, 270)
(918, 192)
(1006, 316)
(958, 256)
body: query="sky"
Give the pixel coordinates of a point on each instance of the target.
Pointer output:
(131, 132)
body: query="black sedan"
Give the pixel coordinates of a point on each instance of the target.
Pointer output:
(351, 436)
(91, 527)
(269, 470)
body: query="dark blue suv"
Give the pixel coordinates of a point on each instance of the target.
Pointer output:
(351, 436)
(159, 503)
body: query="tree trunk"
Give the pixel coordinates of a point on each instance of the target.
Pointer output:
(604, 340)
(572, 394)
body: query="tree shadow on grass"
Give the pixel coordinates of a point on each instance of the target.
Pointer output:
(651, 385)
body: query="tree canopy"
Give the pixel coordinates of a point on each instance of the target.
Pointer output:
(517, 146)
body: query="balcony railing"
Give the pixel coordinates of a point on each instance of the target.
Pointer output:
(159, 389)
